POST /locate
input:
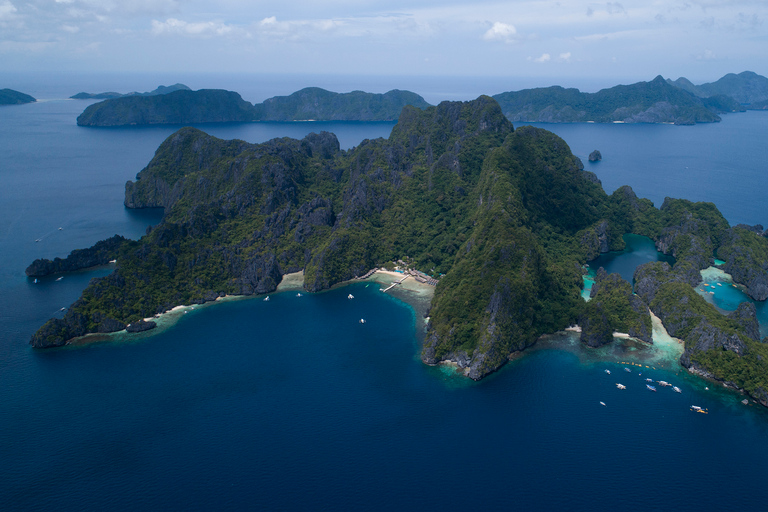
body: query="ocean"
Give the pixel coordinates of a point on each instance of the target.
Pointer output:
(292, 404)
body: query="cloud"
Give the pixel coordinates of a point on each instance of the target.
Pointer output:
(545, 57)
(7, 10)
(203, 29)
(565, 57)
(500, 32)
(707, 55)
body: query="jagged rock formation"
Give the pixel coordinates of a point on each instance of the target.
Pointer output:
(746, 258)
(595, 156)
(100, 254)
(719, 347)
(613, 308)
(504, 214)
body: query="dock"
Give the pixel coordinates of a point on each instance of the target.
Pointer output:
(395, 284)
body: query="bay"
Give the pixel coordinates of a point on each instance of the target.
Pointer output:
(293, 404)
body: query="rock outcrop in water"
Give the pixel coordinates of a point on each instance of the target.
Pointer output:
(614, 308)
(595, 156)
(746, 258)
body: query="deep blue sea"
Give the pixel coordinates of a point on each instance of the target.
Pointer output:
(292, 404)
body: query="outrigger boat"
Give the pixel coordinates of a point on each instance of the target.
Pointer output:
(650, 387)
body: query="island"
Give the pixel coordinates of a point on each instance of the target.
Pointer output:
(162, 89)
(747, 90)
(502, 218)
(177, 107)
(656, 101)
(11, 97)
(217, 106)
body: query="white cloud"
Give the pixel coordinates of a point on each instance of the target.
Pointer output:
(7, 10)
(565, 56)
(500, 32)
(71, 29)
(545, 57)
(204, 29)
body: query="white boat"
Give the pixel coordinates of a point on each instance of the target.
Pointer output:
(676, 389)
(60, 278)
(621, 386)
(627, 370)
(602, 403)
(695, 407)
(266, 299)
(608, 372)
(650, 387)
(362, 320)
(298, 294)
(648, 380)
(350, 296)
(35, 280)
(60, 229)
(664, 383)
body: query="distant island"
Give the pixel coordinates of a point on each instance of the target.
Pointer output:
(218, 106)
(503, 219)
(11, 97)
(644, 102)
(177, 107)
(110, 95)
(658, 101)
(748, 89)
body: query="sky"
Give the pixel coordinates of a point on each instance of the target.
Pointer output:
(548, 41)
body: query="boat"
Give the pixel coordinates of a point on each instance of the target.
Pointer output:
(695, 407)
(350, 296)
(621, 386)
(60, 278)
(627, 370)
(60, 229)
(602, 403)
(35, 280)
(676, 389)
(745, 401)
(664, 383)
(63, 309)
(608, 372)
(298, 294)
(362, 320)
(650, 387)
(648, 380)
(38, 240)
(266, 299)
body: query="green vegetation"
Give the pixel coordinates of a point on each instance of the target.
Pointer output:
(508, 216)
(177, 104)
(644, 102)
(178, 107)
(11, 97)
(321, 105)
